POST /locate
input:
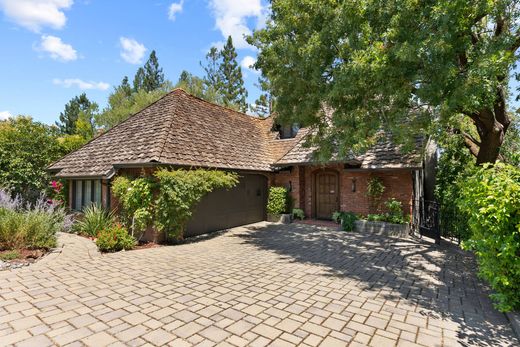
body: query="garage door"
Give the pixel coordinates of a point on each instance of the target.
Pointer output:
(227, 208)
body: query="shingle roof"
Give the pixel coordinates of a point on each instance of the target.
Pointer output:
(181, 129)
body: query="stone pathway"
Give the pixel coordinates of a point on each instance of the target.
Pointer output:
(278, 285)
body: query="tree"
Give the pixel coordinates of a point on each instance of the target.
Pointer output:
(232, 84)
(139, 79)
(26, 149)
(125, 87)
(197, 87)
(212, 79)
(263, 106)
(70, 116)
(153, 74)
(382, 64)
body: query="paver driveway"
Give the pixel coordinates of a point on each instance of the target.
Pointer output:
(257, 285)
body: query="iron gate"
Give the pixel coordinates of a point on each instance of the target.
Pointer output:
(428, 219)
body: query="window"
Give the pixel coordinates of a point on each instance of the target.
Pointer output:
(85, 192)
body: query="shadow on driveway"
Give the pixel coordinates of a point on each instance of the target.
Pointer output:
(439, 282)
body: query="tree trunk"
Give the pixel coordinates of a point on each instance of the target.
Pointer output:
(490, 145)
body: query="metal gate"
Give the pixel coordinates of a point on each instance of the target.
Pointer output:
(428, 219)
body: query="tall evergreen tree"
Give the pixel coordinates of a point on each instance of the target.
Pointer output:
(213, 60)
(232, 86)
(125, 87)
(197, 86)
(139, 79)
(153, 74)
(69, 117)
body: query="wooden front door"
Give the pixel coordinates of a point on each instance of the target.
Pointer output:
(326, 194)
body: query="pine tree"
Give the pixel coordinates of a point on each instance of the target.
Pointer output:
(125, 87)
(139, 79)
(263, 106)
(153, 74)
(69, 117)
(213, 61)
(232, 84)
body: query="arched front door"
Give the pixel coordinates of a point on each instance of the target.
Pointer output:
(327, 194)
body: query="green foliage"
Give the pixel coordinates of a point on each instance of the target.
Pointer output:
(233, 91)
(10, 255)
(136, 198)
(197, 87)
(380, 65)
(298, 213)
(346, 219)
(278, 201)
(490, 198)
(114, 238)
(374, 217)
(263, 106)
(224, 76)
(121, 106)
(153, 77)
(455, 164)
(26, 148)
(73, 109)
(179, 193)
(394, 212)
(33, 227)
(94, 219)
(70, 143)
(375, 190)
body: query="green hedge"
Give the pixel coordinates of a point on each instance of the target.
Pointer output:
(279, 201)
(491, 199)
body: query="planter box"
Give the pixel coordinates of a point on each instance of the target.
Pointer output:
(285, 218)
(382, 228)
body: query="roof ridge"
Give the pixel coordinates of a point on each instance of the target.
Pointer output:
(220, 106)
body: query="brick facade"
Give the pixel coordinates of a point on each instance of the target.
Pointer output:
(300, 180)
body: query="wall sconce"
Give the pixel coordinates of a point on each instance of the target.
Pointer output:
(290, 186)
(354, 185)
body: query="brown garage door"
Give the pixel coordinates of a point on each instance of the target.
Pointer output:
(227, 208)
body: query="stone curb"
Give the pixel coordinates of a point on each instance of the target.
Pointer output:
(514, 319)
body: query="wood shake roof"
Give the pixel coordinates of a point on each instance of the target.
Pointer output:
(181, 129)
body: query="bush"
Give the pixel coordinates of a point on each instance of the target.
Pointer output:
(28, 226)
(375, 190)
(94, 219)
(298, 213)
(278, 201)
(179, 193)
(491, 198)
(395, 212)
(10, 255)
(136, 198)
(114, 238)
(346, 219)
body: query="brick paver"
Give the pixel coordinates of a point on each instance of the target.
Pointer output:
(258, 285)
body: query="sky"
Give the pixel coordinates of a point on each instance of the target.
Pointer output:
(53, 50)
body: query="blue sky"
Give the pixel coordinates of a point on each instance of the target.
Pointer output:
(56, 49)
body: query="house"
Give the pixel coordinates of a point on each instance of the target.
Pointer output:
(183, 131)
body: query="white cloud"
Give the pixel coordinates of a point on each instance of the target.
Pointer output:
(175, 8)
(231, 18)
(83, 85)
(36, 14)
(247, 63)
(132, 51)
(57, 49)
(5, 114)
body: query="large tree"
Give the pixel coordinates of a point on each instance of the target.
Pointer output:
(69, 117)
(26, 149)
(385, 63)
(197, 87)
(264, 104)
(232, 88)
(153, 74)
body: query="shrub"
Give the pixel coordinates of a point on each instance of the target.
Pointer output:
(375, 190)
(29, 226)
(278, 201)
(346, 219)
(298, 213)
(14, 254)
(395, 212)
(374, 217)
(115, 238)
(136, 198)
(491, 198)
(179, 193)
(94, 219)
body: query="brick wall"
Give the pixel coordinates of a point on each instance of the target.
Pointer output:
(398, 185)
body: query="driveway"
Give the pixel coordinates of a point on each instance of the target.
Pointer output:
(263, 284)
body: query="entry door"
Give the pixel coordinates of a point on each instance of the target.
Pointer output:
(326, 194)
